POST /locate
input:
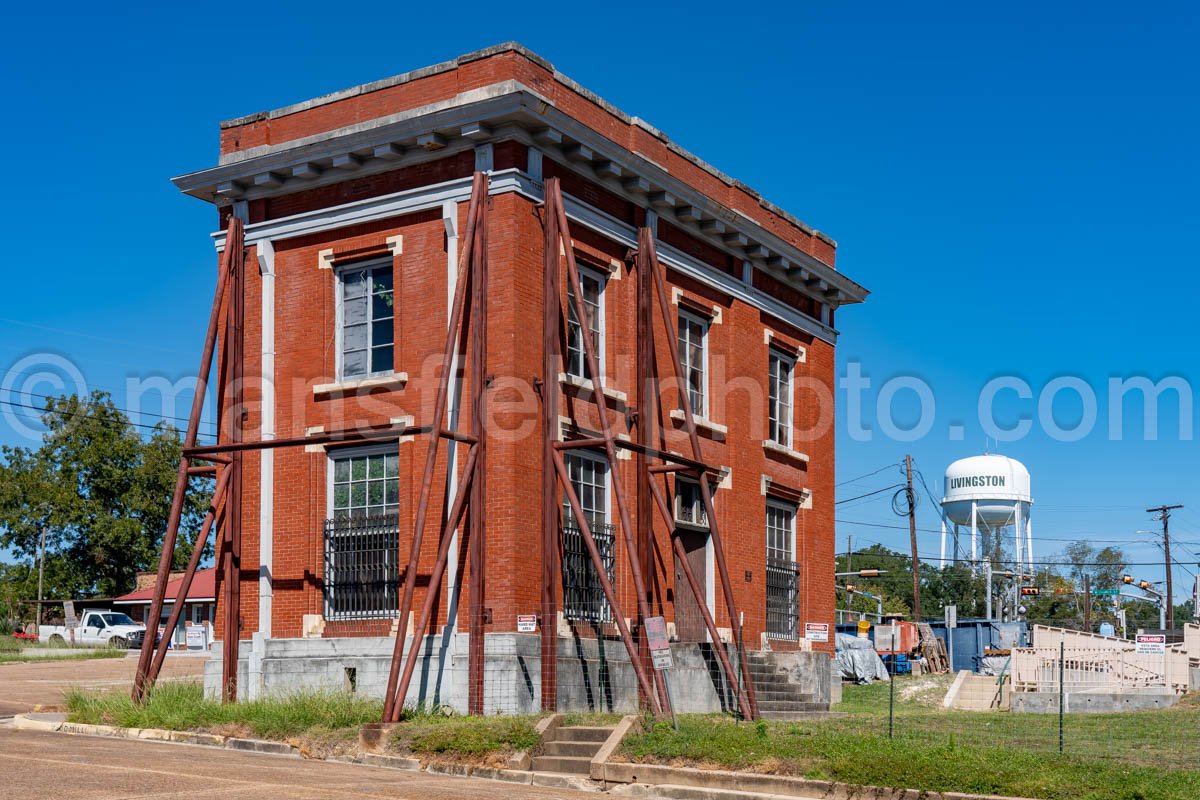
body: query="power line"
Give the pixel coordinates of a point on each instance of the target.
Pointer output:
(117, 426)
(126, 410)
(870, 494)
(868, 475)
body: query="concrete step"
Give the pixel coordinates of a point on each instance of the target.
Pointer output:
(575, 749)
(800, 716)
(582, 733)
(802, 697)
(790, 705)
(570, 765)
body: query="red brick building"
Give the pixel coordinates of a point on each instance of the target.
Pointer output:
(355, 205)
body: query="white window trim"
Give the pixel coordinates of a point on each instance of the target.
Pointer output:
(601, 278)
(776, 353)
(793, 509)
(705, 323)
(601, 459)
(338, 272)
(693, 526)
(335, 454)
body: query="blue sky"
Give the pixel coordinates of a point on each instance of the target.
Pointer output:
(1015, 184)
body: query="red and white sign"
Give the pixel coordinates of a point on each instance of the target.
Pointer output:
(1151, 644)
(816, 631)
(658, 642)
(526, 623)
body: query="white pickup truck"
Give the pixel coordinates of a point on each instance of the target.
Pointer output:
(97, 628)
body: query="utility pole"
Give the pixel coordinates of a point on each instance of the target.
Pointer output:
(1164, 514)
(849, 552)
(912, 535)
(1087, 603)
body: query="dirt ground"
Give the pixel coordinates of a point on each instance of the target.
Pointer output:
(24, 685)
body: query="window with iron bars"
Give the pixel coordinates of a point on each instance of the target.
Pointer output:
(583, 597)
(362, 537)
(783, 573)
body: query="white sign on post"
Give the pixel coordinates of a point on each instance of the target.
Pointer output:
(816, 631)
(951, 616)
(69, 617)
(659, 644)
(195, 635)
(526, 623)
(1151, 644)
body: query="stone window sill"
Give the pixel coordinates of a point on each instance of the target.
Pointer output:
(715, 429)
(584, 385)
(784, 451)
(361, 385)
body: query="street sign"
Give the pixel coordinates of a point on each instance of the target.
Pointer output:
(1151, 644)
(1106, 592)
(657, 641)
(951, 616)
(816, 631)
(526, 623)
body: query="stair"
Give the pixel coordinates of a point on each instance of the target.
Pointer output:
(571, 750)
(777, 696)
(978, 693)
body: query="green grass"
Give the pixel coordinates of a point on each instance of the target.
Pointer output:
(323, 718)
(16, 657)
(1133, 756)
(181, 706)
(439, 735)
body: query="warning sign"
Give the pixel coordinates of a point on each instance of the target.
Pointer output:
(526, 623)
(816, 631)
(657, 641)
(1151, 644)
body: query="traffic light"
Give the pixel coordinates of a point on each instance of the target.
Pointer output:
(1030, 591)
(1126, 579)
(1144, 585)
(850, 587)
(868, 573)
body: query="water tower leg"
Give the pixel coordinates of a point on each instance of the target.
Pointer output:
(1019, 544)
(1029, 540)
(974, 536)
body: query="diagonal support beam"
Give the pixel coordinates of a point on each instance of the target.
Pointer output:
(479, 198)
(647, 243)
(185, 583)
(585, 530)
(435, 583)
(554, 205)
(701, 601)
(234, 246)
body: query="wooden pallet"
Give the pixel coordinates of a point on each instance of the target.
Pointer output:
(933, 650)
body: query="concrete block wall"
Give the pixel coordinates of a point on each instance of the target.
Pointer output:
(593, 675)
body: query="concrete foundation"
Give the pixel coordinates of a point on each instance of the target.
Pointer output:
(593, 675)
(1094, 702)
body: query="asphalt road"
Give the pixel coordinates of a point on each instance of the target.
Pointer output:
(55, 766)
(29, 684)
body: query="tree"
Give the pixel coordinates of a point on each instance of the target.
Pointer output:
(99, 492)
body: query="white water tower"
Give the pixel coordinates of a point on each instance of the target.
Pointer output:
(989, 494)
